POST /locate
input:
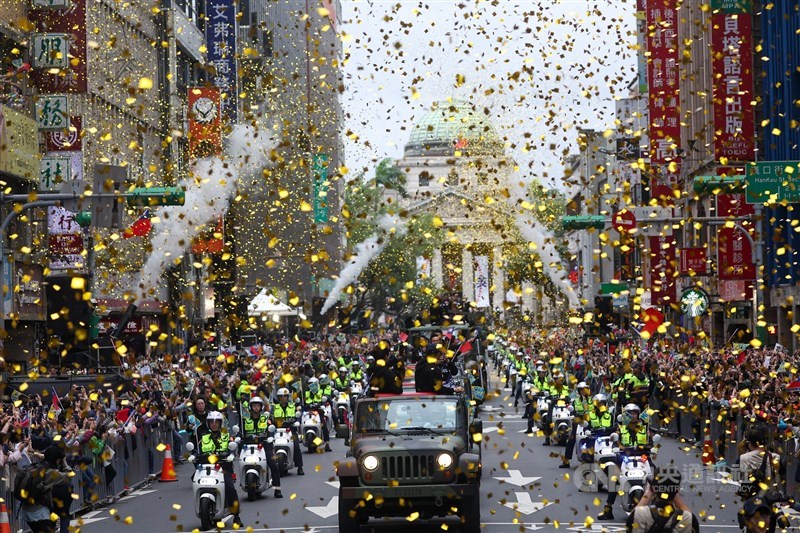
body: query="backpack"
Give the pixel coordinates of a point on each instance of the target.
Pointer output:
(29, 485)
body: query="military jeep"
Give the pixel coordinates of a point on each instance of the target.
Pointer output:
(411, 455)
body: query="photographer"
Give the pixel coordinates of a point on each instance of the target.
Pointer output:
(761, 514)
(661, 509)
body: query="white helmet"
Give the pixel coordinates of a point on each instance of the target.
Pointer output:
(214, 416)
(283, 391)
(342, 371)
(256, 399)
(313, 385)
(600, 398)
(540, 368)
(632, 407)
(583, 385)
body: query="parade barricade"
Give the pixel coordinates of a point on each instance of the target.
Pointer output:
(129, 461)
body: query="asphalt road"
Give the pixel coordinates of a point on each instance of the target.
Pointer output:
(522, 490)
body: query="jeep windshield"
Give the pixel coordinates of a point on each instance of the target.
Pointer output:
(408, 415)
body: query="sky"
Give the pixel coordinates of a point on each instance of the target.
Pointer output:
(544, 68)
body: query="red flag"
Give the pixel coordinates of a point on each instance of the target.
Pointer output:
(403, 337)
(140, 227)
(742, 358)
(56, 402)
(467, 346)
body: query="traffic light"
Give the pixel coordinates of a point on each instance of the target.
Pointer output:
(583, 222)
(83, 219)
(718, 184)
(153, 196)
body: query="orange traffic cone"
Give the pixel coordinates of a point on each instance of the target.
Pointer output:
(5, 526)
(708, 450)
(168, 468)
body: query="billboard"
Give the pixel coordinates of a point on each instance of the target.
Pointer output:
(69, 20)
(205, 122)
(221, 53)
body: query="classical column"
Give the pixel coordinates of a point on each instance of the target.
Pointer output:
(436, 268)
(467, 276)
(498, 279)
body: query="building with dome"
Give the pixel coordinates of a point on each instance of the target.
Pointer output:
(456, 168)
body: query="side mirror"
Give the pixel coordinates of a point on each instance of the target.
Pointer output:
(614, 437)
(189, 447)
(656, 439)
(297, 401)
(476, 427)
(232, 446)
(620, 419)
(235, 430)
(272, 428)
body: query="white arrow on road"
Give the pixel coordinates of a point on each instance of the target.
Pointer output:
(88, 518)
(610, 528)
(136, 494)
(490, 429)
(534, 527)
(524, 504)
(516, 478)
(328, 510)
(334, 484)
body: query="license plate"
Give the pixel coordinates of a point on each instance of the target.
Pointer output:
(410, 492)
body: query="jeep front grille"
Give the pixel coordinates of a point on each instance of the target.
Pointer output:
(407, 467)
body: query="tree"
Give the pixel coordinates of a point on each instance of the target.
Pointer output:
(391, 177)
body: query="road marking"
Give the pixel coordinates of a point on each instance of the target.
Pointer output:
(524, 504)
(326, 511)
(605, 526)
(86, 519)
(137, 494)
(490, 429)
(531, 526)
(334, 484)
(516, 478)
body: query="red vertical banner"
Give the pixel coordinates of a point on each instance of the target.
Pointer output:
(732, 67)
(72, 21)
(662, 270)
(205, 123)
(664, 87)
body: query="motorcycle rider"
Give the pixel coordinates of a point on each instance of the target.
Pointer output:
(342, 380)
(524, 371)
(314, 396)
(557, 390)
(284, 413)
(327, 392)
(356, 371)
(633, 434)
(215, 442)
(581, 407)
(255, 430)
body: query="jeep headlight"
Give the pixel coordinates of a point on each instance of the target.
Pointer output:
(444, 460)
(370, 463)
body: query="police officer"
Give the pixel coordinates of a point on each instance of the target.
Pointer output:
(256, 431)
(356, 372)
(215, 442)
(524, 372)
(342, 380)
(327, 392)
(313, 396)
(633, 434)
(557, 390)
(284, 413)
(581, 407)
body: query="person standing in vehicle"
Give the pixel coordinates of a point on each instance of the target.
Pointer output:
(255, 430)
(216, 442)
(284, 413)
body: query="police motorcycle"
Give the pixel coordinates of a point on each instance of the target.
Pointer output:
(254, 476)
(283, 443)
(635, 462)
(343, 409)
(312, 420)
(598, 451)
(208, 482)
(561, 421)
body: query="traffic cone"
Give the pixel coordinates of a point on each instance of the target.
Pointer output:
(168, 468)
(708, 450)
(5, 526)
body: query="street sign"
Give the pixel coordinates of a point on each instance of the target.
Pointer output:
(78, 188)
(769, 181)
(52, 112)
(694, 302)
(53, 170)
(107, 212)
(624, 221)
(50, 50)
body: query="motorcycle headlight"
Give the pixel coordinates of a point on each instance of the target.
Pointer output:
(444, 460)
(370, 463)
(207, 481)
(251, 459)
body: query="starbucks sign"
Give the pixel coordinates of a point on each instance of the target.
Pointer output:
(694, 302)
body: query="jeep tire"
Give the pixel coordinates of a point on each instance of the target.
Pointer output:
(471, 515)
(348, 523)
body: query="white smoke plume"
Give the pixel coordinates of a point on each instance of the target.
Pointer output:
(365, 252)
(209, 187)
(552, 263)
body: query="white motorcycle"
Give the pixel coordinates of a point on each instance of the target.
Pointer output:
(254, 477)
(596, 454)
(343, 415)
(562, 421)
(208, 487)
(634, 471)
(542, 406)
(284, 449)
(311, 425)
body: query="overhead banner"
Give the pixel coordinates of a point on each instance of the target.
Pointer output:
(732, 67)
(221, 54)
(482, 281)
(662, 270)
(205, 122)
(663, 83)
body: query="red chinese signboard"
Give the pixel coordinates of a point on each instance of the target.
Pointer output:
(68, 140)
(663, 83)
(66, 244)
(693, 261)
(733, 205)
(734, 255)
(72, 21)
(732, 67)
(662, 270)
(205, 124)
(736, 290)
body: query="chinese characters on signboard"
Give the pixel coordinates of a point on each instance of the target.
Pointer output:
(732, 56)
(662, 270)
(221, 54)
(65, 24)
(663, 81)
